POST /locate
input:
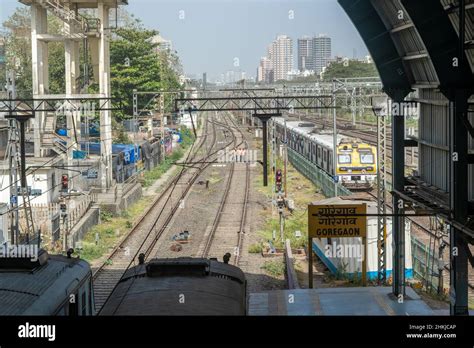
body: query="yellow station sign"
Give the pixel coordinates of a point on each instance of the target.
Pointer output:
(337, 221)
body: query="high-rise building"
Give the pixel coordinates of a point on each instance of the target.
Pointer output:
(281, 56)
(321, 52)
(278, 62)
(305, 54)
(265, 71)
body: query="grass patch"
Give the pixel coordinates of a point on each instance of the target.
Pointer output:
(275, 268)
(104, 236)
(302, 191)
(255, 248)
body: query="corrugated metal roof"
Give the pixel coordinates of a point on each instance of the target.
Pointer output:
(21, 289)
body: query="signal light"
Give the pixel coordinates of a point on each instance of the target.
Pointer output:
(65, 182)
(278, 180)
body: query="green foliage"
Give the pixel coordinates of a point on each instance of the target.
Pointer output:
(353, 69)
(18, 50)
(121, 136)
(18, 53)
(105, 216)
(275, 268)
(110, 230)
(147, 71)
(255, 248)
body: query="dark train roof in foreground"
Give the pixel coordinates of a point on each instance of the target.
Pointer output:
(37, 291)
(209, 288)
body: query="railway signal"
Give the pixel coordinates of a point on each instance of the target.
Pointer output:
(64, 182)
(278, 180)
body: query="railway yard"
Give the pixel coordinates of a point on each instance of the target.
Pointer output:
(150, 181)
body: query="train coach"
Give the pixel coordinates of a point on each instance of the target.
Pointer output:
(46, 285)
(179, 286)
(356, 166)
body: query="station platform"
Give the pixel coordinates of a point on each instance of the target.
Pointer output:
(336, 301)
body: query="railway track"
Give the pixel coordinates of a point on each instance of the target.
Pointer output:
(143, 237)
(227, 232)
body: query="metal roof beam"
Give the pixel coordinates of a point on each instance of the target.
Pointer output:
(382, 48)
(413, 56)
(441, 44)
(401, 28)
(451, 8)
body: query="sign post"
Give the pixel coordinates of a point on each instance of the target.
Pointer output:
(338, 221)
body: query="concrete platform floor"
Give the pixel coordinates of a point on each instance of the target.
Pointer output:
(336, 301)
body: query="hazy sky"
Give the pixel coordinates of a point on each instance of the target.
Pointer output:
(215, 32)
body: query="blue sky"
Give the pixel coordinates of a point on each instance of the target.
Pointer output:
(214, 32)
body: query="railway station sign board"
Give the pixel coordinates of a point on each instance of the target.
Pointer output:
(337, 221)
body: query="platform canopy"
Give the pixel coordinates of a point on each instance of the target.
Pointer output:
(413, 43)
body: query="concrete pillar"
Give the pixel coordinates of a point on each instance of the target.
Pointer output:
(40, 69)
(72, 74)
(104, 88)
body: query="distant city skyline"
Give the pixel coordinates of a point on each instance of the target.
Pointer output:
(216, 36)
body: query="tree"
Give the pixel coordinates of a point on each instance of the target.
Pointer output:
(353, 68)
(18, 50)
(18, 53)
(136, 64)
(135, 60)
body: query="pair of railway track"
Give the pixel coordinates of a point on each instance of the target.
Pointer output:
(144, 235)
(227, 234)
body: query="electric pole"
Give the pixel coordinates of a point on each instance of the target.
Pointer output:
(12, 157)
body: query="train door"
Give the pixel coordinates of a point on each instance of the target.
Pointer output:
(319, 156)
(306, 148)
(330, 160)
(325, 159)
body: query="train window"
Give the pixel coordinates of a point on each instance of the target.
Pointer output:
(325, 156)
(366, 157)
(344, 158)
(319, 152)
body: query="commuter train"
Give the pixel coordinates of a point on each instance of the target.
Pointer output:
(179, 286)
(45, 285)
(356, 166)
